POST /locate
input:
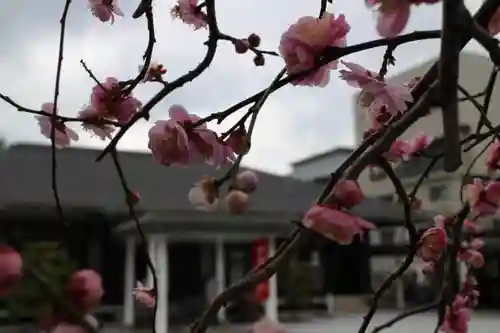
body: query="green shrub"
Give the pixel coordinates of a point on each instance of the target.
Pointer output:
(298, 285)
(29, 300)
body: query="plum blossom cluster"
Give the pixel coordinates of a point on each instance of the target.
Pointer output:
(205, 194)
(108, 102)
(333, 220)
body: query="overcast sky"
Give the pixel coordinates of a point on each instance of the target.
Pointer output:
(296, 121)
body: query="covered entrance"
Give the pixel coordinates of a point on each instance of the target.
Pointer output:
(195, 261)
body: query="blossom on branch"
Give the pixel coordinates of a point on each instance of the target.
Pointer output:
(432, 244)
(393, 96)
(457, 317)
(63, 135)
(145, 296)
(177, 141)
(85, 289)
(393, 15)
(332, 221)
(469, 252)
(189, 12)
(110, 103)
(304, 42)
(102, 130)
(105, 10)
(335, 224)
(154, 72)
(483, 198)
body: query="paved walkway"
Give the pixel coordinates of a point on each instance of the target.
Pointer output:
(481, 323)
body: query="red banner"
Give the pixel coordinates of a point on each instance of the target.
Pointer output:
(260, 254)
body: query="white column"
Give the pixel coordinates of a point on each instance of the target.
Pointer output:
(272, 302)
(220, 273)
(161, 324)
(152, 254)
(129, 283)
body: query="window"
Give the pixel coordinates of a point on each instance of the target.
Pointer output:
(437, 192)
(387, 236)
(387, 197)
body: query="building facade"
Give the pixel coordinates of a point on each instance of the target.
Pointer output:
(196, 254)
(442, 192)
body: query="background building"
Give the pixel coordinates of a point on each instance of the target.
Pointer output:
(441, 192)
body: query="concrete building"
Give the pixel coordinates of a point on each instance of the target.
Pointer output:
(441, 192)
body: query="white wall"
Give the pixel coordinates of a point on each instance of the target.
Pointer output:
(474, 73)
(319, 167)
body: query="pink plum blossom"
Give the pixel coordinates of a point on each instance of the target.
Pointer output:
(85, 289)
(154, 72)
(108, 101)
(493, 158)
(305, 40)
(393, 96)
(399, 150)
(393, 15)
(105, 10)
(484, 199)
(418, 143)
(347, 193)
(10, 269)
(189, 13)
(338, 225)
(145, 296)
(469, 252)
(177, 141)
(63, 135)
(432, 244)
(457, 317)
(98, 128)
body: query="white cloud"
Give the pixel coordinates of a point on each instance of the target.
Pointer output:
(296, 121)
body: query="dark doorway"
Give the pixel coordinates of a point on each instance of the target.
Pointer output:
(186, 283)
(488, 279)
(346, 268)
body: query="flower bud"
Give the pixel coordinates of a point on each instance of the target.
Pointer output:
(254, 40)
(237, 202)
(241, 46)
(259, 60)
(246, 181)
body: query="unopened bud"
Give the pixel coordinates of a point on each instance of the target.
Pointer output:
(259, 60)
(241, 46)
(237, 202)
(254, 40)
(246, 181)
